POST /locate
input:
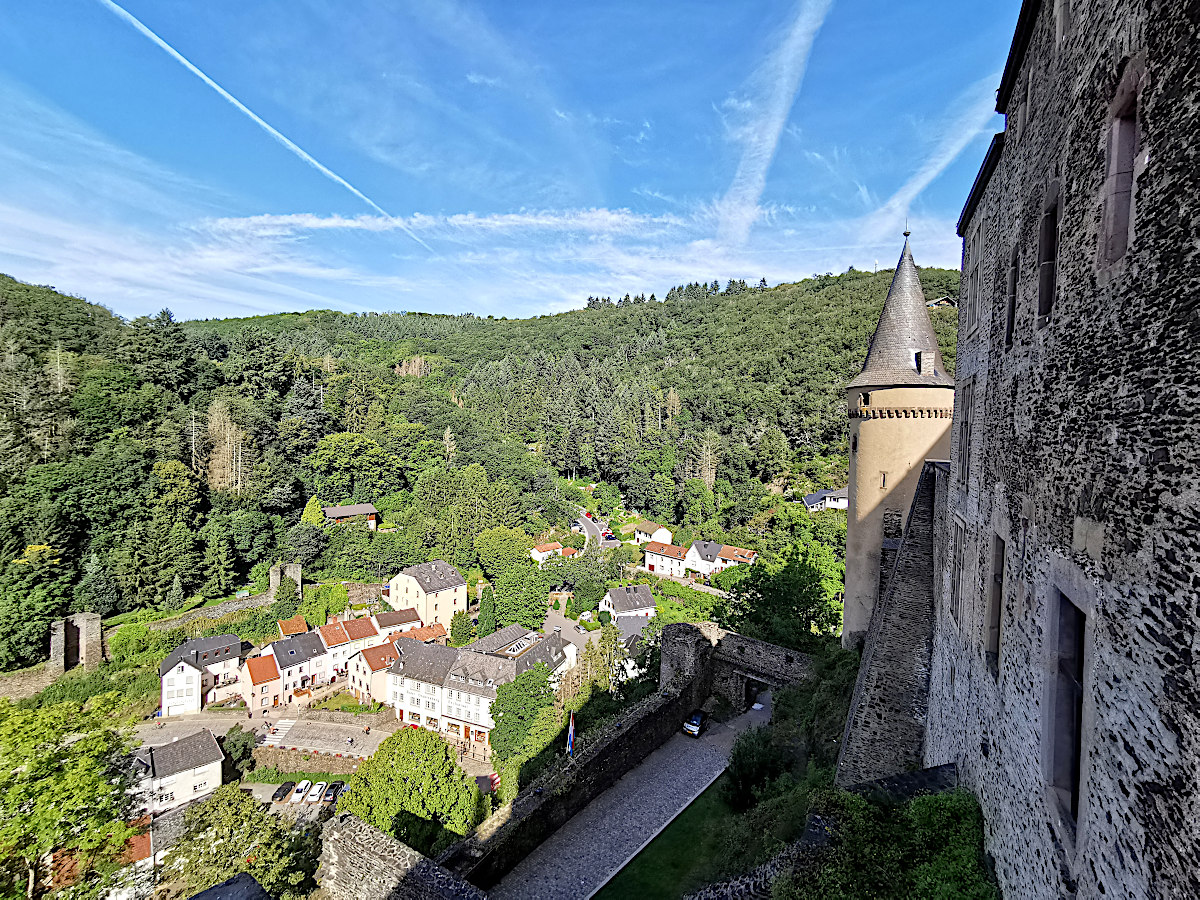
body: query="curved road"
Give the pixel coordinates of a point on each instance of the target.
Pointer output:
(594, 529)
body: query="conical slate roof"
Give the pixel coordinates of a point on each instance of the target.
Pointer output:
(903, 330)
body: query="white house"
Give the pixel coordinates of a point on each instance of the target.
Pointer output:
(344, 639)
(368, 672)
(630, 600)
(436, 590)
(179, 772)
(451, 690)
(543, 552)
(645, 532)
(709, 557)
(390, 623)
(199, 672)
(303, 662)
(827, 499)
(665, 559)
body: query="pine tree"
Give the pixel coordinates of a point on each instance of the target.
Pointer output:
(97, 591)
(312, 514)
(487, 613)
(175, 596)
(460, 629)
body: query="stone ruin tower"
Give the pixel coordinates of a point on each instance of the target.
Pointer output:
(900, 408)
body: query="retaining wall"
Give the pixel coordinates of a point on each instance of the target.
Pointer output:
(304, 761)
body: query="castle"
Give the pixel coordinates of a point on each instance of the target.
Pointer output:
(1031, 615)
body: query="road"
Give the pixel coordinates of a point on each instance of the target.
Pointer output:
(595, 844)
(593, 530)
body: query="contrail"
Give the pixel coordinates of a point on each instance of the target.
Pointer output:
(256, 119)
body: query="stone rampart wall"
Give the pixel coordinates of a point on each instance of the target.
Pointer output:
(359, 862)
(205, 612)
(384, 719)
(304, 761)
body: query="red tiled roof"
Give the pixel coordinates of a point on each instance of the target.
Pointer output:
(379, 657)
(569, 551)
(547, 548)
(294, 625)
(668, 550)
(333, 635)
(426, 634)
(737, 554)
(357, 629)
(262, 669)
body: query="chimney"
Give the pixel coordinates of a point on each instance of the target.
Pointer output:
(558, 631)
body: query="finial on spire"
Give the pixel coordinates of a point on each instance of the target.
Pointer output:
(906, 231)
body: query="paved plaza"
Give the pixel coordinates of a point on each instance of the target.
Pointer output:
(326, 737)
(595, 844)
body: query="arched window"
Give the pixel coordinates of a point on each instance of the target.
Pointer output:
(1048, 256)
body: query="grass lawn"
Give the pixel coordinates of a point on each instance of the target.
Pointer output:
(345, 702)
(681, 859)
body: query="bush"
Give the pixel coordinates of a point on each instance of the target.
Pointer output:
(605, 617)
(557, 605)
(759, 755)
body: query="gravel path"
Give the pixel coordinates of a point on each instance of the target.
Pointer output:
(596, 843)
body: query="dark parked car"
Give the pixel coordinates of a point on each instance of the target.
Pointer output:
(695, 723)
(331, 792)
(282, 792)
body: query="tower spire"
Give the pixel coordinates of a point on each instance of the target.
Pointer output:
(903, 331)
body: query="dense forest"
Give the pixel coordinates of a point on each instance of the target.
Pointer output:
(148, 461)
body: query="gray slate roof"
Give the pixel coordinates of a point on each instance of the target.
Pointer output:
(241, 886)
(201, 652)
(399, 617)
(354, 509)
(632, 596)
(810, 499)
(549, 650)
(708, 550)
(430, 663)
(903, 327)
(299, 648)
(190, 752)
(437, 575)
(497, 640)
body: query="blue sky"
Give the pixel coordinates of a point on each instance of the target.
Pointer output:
(224, 158)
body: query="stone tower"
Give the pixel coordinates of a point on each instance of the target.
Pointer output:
(900, 409)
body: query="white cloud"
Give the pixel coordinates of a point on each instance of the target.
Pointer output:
(759, 120)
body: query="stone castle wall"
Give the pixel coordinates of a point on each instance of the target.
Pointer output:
(75, 640)
(1085, 462)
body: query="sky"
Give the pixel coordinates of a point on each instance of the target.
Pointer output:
(223, 158)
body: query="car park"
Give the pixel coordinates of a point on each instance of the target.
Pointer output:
(695, 723)
(299, 793)
(282, 792)
(331, 792)
(316, 792)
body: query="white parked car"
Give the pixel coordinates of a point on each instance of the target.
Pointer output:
(299, 793)
(315, 794)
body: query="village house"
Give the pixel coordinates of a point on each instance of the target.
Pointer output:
(665, 559)
(568, 552)
(426, 634)
(179, 772)
(390, 623)
(302, 662)
(294, 625)
(368, 672)
(344, 639)
(260, 683)
(827, 499)
(707, 558)
(645, 532)
(199, 672)
(450, 691)
(340, 515)
(436, 590)
(543, 552)
(630, 600)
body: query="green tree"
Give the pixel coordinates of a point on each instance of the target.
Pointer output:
(522, 593)
(288, 590)
(238, 745)
(460, 629)
(413, 789)
(611, 656)
(312, 514)
(516, 706)
(97, 591)
(487, 613)
(176, 598)
(352, 466)
(230, 833)
(501, 548)
(33, 592)
(65, 787)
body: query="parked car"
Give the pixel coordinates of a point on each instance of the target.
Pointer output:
(695, 723)
(331, 792)
(281, 792)
(581, 629)
(588, 514)
(316, 792)
(299, 793)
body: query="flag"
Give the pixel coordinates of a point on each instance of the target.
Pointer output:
(571, 737)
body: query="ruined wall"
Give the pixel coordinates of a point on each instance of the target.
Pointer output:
(885, 728)
(281, 570)
(1085, 461)
(75, 640)
(359, 862)
(304, 761)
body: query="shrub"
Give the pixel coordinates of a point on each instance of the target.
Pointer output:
(557, 605)
(759, 756)
(605, 617)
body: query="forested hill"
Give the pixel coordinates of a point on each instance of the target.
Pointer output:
(146, 461)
